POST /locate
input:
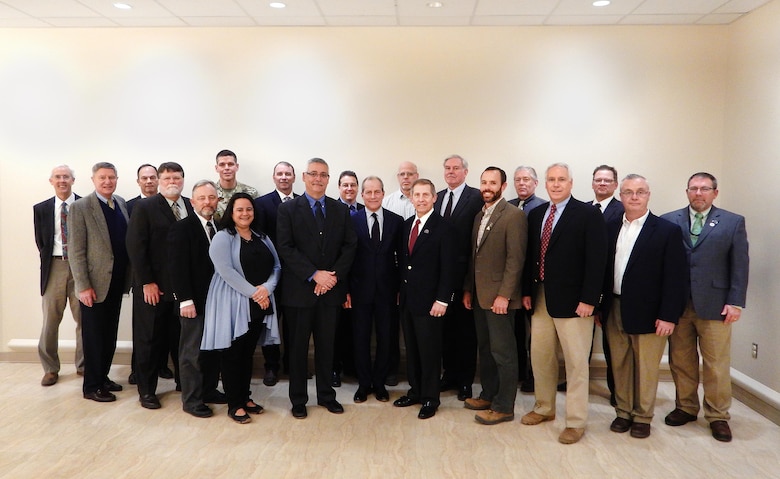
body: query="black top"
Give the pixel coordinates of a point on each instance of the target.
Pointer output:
(257, 261)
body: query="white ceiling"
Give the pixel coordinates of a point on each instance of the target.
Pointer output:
(252, 13)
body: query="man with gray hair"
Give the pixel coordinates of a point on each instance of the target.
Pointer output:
(50, 218)
(101, 271)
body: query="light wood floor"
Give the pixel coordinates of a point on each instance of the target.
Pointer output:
(54, 433)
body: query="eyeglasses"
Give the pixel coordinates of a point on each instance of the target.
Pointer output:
(604, 180)
(314, 174)
(703, 189)
(630, 193)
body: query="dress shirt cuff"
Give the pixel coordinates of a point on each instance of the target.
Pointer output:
(186, 303)
(442, 303)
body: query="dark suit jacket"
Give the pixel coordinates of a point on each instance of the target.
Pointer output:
(614, 210)
(147, 242)
(576, 258)
(189, 261)
(427, 275)
(529, 204)
(497, 262)
(43, 222)
(358, 206)
(131, 203)
(719, 262)
(374, 275)
(655, 282)
(462, 219)
(303, 250)
(266, 207)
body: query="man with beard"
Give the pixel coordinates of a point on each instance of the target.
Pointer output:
(492, 290)
(188, 243)
(147, 245)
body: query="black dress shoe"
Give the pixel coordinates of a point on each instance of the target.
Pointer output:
(361, 395)
(620, 425)
(150, 401)
(131, 379)
(428, 410)
(381, 394)
(464, 392)
(405, 401)
(215, 397)
(335, 380)
(100, 396)
(110, 385)
(241, 419)
(445, 385)
(201, 410)
(392, 380)
(299, 411)
(256, 409)
(178, 387)
(678, 417)
(721, 431)
(270, 378)
(332, 406)
(165, 373)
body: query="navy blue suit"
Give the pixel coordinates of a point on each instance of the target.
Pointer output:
(373, 289)
(614, 210)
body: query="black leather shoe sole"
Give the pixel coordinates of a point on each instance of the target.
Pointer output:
(382, 395)
(200, 411)
(332, 406)
(405, 401)
(112, 386)
(427, 411)
(100, 396)
(150, 402)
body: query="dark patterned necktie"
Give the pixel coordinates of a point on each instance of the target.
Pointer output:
(413, 236)
(375, 235)
(448, 210)
(546, 233)
(64, 229)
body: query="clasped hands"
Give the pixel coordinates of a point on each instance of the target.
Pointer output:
(261, 297)
(324, 281)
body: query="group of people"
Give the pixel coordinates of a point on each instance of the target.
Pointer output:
(462, 272)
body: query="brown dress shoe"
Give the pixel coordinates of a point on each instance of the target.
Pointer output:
(640, 430)
(678, 417)
(570, 435)
(491, 417)
(532, 419)
(721, 431)
(476, 404)
(49, 379)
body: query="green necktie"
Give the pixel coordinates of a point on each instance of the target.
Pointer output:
(698, 222)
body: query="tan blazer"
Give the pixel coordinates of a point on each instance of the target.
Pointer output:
(497, 262)
(89, 252)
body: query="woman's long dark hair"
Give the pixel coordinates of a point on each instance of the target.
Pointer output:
(227, 223)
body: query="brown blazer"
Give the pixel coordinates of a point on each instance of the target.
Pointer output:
(496, 263)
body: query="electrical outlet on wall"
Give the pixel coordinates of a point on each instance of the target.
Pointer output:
(754, 351)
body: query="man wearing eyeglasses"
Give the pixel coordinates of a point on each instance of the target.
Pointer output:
(316, 243)
(716, 243)
(645, 292)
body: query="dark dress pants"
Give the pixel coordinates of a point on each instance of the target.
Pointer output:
(153, 326)
(198, 370)
(422, 336)
(523, 340)
(459, 354)
(99, 325)
(497, 358)
(236, 366)
(320, 320)
(366, 317)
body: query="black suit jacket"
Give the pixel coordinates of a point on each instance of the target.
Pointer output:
(147, 242)
(189, 261)
(43, 222)
(266, 207)
(532, 202)
(655, 282)
(130, 203)
(576, 258)
(303, 250)
(427, 275)
(614, 210)
(374, 274)
(462, 219)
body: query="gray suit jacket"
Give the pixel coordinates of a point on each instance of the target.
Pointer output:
(496, 266)
(719, 262)
(89, 252)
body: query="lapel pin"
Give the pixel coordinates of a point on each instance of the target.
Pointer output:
(425, 231)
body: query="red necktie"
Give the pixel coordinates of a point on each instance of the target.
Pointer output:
(546, 233)
(413, 236)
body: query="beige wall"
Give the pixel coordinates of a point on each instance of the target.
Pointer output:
(650, 100)
(752, 161)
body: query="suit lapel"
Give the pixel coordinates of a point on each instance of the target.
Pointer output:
(644, 237)
(99, 219)
(425, 232)
(710, 223)
(492, 221)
